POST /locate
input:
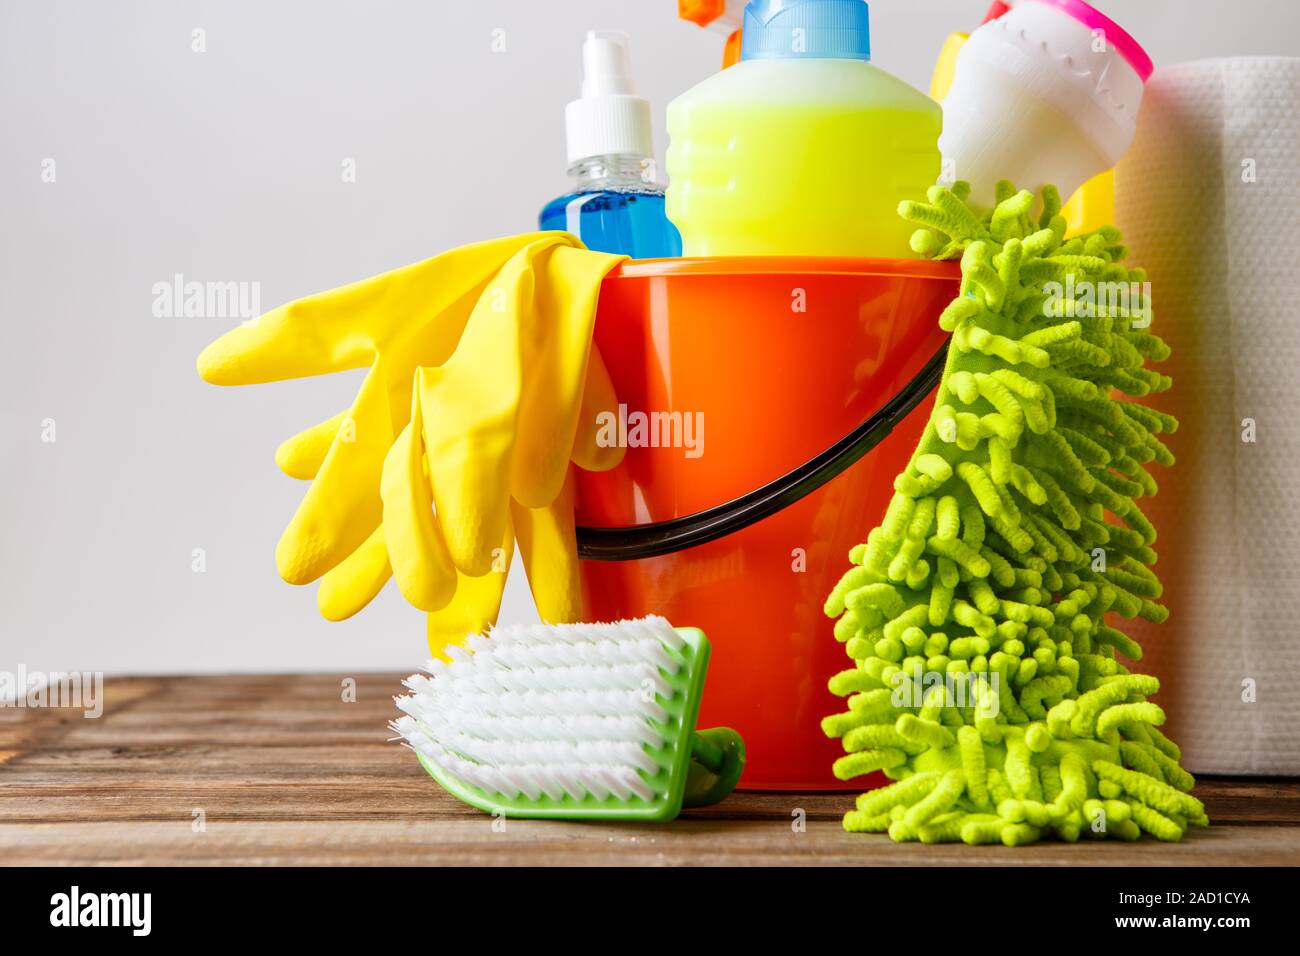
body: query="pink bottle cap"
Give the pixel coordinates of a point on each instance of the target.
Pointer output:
(1115, 34)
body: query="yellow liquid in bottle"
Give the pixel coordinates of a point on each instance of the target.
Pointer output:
(799, 157)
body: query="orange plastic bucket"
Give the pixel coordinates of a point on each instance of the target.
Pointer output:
(749, 389)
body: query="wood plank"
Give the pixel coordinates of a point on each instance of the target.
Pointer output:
(687, 842)
(286, 770)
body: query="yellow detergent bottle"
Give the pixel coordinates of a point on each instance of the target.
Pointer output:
(803, 148)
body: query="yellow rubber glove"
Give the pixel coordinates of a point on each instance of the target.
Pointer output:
(392, 323)
(549, 549)
(489, 442)
(396, 323)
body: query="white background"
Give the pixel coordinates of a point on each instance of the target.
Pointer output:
(224, 166)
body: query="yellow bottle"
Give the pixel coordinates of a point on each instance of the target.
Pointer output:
(803, 148)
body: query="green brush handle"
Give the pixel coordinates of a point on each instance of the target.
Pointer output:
(717, 760)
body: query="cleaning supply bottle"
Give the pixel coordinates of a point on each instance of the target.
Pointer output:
(616, 205)
(1047, 92)
(803, 147)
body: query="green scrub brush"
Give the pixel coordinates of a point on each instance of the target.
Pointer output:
(573, 721)
(986, 681)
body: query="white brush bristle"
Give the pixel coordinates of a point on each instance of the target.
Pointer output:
(547, 710)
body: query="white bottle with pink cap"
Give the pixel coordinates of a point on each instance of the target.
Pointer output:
(1047, 93)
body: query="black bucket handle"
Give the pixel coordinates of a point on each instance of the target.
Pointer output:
(666, 537)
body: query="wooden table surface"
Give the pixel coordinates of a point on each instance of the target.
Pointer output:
(281, 769)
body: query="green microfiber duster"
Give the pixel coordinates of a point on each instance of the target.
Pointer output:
(986, 680)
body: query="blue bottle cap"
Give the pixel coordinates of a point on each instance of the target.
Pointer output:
(802, 29)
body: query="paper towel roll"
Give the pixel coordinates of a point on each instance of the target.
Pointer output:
(1208, 198)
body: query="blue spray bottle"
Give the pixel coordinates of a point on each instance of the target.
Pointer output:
(616, 205)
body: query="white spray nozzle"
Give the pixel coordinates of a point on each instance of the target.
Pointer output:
(606, 64)
(609, 119)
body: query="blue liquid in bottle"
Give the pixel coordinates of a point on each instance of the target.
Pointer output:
(616, 207)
